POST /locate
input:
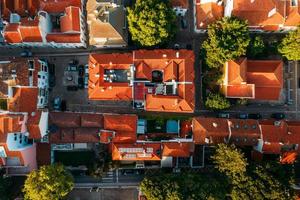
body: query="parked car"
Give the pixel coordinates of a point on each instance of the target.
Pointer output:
(254, 116)
(72, 88)
(73, 62)
(80, 82)
(278, 116)
(57, 103)
(243, 116)
(86, 76)
(26, 53)
(224, 115)
(81, 70)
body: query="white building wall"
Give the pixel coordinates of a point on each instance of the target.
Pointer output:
(17, 141)
(45, 24)
(43, 84)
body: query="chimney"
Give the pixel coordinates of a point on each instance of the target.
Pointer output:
(215, 124)
(177, 54)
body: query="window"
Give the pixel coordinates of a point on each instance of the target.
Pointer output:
(45, 68)
(294, 2)
(15, 137)
(39, 76)
(2, 152)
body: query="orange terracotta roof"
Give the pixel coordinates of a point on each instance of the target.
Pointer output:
(180, 3)
(240, 91)
(106, 136)
(68, 127)
(98, 89)
(265, 75)
(70, 22)
(215, 130)
(175, 65)
(26, 31)
(207, 13)
(30, 31)
(120, 122)
(63, 37)
(288, 158)
(54, 6)
(137, 151)
(24, 100)
(244, 132)
(177, 149)
(267, 14)
(237, 71)
(12, 34)
(9, 124)
(33, 125)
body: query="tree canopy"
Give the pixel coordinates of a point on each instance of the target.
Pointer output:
(216, 102)
(230, 161)
(289, 46)
(267, 181)
(193, 186)
(256, 47)
(50, 182)
(151, 22)
(228, 39)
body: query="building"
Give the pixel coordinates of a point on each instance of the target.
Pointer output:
(266, 137)
(130, 140)
(267, 15)
(106, 21)
(154, 80)
(24, 79)
(206, 12)
(253, 79)
(43, 23)
(180, 7)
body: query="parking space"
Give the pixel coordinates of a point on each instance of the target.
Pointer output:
(67, 88)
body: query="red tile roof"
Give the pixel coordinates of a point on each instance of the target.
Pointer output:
(24, 100)
(207, 13)
(70, 22)
(174, 64)
(33, 125)
(277, 134)
(98, 89)
(177, 149)
(55, 6)
(244, 132)
(63, 37)
(74, 127)
(259, 79)
(124, 126)
(215, 130)
(180, 3)
(29, 30)
(267, 13)
(137, 151)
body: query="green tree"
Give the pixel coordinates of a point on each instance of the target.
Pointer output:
(256, 47)
(151, 22)
(5, 184)
(230, 161)
(50, 182)
(228, 39)
(216, 102)
(289, 46)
